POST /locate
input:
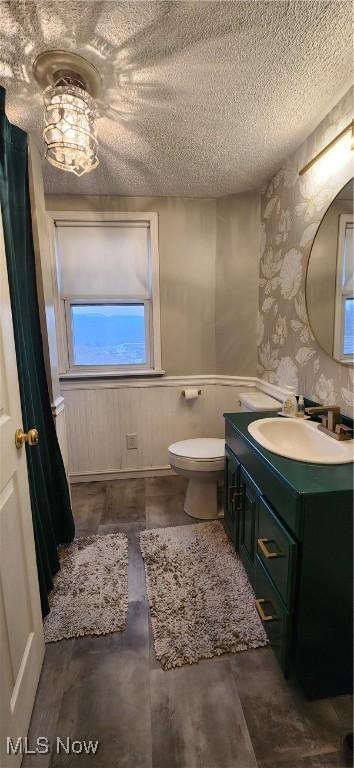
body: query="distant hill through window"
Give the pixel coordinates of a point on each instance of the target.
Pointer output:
(112, 336)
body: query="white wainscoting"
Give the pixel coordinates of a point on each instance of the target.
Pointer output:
(58, 411)
(99, 415)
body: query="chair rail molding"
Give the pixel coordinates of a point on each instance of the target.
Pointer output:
(70, 382)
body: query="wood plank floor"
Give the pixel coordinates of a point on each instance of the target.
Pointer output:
(234, 711)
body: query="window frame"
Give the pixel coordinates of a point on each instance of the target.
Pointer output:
(340, 294)
(63, 325)
(120, 302)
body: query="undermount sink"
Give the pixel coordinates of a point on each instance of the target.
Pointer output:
(301, 441)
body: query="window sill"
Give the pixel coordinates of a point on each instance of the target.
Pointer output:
(78, 375)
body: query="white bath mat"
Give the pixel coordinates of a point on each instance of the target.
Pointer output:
(90, 595)
(201, 601)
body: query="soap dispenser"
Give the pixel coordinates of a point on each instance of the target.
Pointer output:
(290, 403)
(301, 407)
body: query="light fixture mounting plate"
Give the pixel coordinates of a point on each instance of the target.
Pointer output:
(48, 63)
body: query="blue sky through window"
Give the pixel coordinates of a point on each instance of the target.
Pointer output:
(108, 334)
(348, 338)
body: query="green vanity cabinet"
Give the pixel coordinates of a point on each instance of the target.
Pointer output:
(292, 525)
(232, 495)
(275, 616)
(248, 523)
(277, 551)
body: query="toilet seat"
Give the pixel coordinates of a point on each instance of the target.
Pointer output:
(204, 465)
(199, 448)
(201, 454)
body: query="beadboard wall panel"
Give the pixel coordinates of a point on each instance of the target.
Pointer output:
(98, 420)
(60, 425)
(59, 416)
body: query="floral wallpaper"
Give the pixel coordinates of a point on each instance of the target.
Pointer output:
(291, 210)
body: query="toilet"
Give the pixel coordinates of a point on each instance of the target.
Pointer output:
(201, 460)
(258, 401)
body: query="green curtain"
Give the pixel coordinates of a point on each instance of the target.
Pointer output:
(50, 500)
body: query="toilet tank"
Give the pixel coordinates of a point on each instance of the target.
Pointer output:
(258, 401)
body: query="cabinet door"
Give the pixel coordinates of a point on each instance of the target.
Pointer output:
(277, 549)
(232, 495)
(248, 523)
(274, 615)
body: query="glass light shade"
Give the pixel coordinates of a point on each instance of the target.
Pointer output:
(333, 160)
(70, 129)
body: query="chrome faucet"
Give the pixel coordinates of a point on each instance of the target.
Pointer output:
(330, 415)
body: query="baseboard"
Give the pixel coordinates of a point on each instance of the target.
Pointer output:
(120, 474)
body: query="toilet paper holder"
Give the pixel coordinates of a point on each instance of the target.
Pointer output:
(184, 391)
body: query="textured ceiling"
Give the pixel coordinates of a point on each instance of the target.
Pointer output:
(199, 98)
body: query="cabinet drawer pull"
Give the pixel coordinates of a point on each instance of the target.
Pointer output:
(237, 500)
(234, 493)
(232, 490)
(262, 546)
(263, 617)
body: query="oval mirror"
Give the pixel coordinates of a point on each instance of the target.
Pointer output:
(330, 279)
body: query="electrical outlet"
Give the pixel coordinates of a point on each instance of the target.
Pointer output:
(132, 441)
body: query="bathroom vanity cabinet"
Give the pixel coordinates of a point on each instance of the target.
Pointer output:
(292, 526)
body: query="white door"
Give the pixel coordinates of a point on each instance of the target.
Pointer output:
(21, 628)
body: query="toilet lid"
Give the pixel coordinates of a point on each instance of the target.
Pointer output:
(258, 401)
(199, 448)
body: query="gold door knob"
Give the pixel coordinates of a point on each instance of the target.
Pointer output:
(31, 437)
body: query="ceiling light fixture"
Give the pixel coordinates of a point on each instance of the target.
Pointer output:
(70, 86)
(344, 132)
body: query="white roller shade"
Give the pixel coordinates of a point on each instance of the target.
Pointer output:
(103, 259)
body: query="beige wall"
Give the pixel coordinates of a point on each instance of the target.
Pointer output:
(209, 254)
(237, 266)
(209, 257)
(187, 242)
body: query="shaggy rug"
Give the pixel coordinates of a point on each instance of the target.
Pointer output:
(201, 602)
(90, 595)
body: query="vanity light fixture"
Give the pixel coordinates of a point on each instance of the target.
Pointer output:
(70, 85)
(349, 127)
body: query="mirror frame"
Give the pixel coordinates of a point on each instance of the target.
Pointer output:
(345, 363)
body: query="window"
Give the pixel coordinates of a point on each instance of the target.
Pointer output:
(344, 305)
(348, 336)
(108, 334)
(108, 288)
